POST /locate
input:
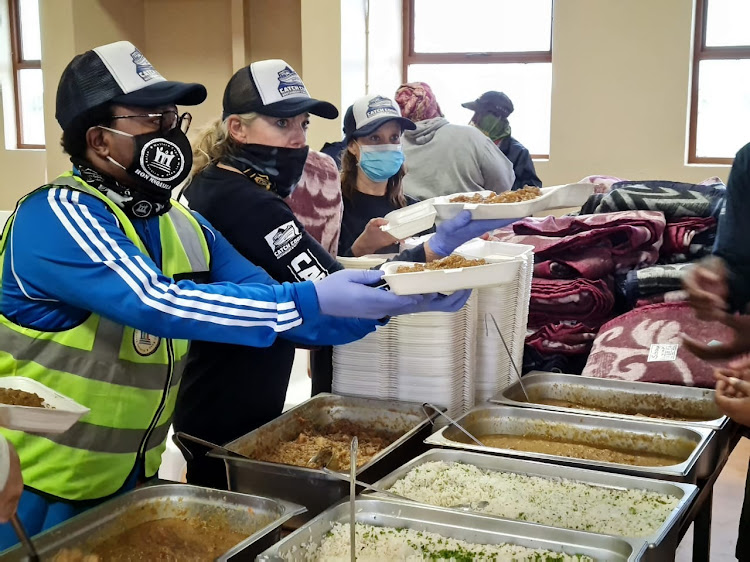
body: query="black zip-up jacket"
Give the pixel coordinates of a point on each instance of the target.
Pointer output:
(523, 166)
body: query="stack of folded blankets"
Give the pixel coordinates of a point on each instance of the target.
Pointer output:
(645, 344)
(572, 293)
(691, 212)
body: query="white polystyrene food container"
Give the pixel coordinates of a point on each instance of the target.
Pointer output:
(411, 220)
(498, 271)
(364, 262)
(555, 197)
(61, 414)
(491, 250)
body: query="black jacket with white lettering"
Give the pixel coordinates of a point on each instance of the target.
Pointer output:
(260, 225)
(229, 390)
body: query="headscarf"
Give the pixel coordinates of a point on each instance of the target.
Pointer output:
(417, 102)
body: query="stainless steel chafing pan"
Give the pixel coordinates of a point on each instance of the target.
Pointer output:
(645, 436)
(662, 542)
(310, 487)
(261, 518)
(464, 526)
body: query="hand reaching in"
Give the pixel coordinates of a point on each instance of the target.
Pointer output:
(372, 238)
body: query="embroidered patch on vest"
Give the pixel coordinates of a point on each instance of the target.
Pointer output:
(145, 344)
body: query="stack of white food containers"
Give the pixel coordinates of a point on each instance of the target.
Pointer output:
(508, 304)
(447, 359)
(426, 357)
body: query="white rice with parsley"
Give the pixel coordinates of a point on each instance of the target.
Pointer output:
(557, 502)
(378, 544)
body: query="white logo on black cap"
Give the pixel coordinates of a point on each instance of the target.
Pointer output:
(143, 68)
(290, 83)
(162, 159)
(378, 105)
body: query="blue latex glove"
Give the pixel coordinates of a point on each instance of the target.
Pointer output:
(347, 294)
(436, 302)
(461, 228)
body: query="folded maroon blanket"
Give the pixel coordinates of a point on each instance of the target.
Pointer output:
(633, 237)
(580, 300)
(679, 234)
(645, 345)
(590, 263)
(567, 338)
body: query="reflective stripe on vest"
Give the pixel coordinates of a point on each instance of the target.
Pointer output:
(128, 378)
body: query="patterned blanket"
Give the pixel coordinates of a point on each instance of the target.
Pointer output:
(566, 338)
(580, 300)
(674, 199)
(651, 281)
(622, 348)
(316, 201)
(599, 244)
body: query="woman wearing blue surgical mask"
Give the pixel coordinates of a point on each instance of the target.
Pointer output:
(372, 170)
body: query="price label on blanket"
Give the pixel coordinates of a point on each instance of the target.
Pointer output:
(662, 352)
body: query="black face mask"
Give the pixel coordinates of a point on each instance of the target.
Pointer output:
(271, 167)
(135, 204)
(161, 161)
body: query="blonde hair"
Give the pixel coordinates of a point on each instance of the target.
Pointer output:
(214, 143)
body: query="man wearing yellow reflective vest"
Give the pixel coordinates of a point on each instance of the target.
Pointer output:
(104, 279)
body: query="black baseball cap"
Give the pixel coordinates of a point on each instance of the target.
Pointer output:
(273, 88)
(117, 73)
(368, 113)
(491, 102)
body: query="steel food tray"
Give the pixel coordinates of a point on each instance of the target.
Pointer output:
(310, 487)
(662, 543)
(465, 526)
(169, 500)
(690, 401)
(484, 420)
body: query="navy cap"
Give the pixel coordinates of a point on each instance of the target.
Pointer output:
(491, 102)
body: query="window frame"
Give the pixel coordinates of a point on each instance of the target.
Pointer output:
(18, 63)
(409, 56)
(700, 53)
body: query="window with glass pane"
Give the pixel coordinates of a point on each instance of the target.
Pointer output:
(27, 67)
(527, 85)
(482, 26)
(483, 45)
(720, 101)
(727, 23)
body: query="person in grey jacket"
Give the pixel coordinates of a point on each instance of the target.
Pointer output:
(443, 158)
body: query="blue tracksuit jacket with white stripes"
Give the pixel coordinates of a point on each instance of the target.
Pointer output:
(67, 257)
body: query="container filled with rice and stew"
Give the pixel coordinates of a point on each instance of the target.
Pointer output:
(639, 448)
(546, 494)
(168, 522)
(394, 530)
(282, 458)
(28, 405)
(663, 403)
